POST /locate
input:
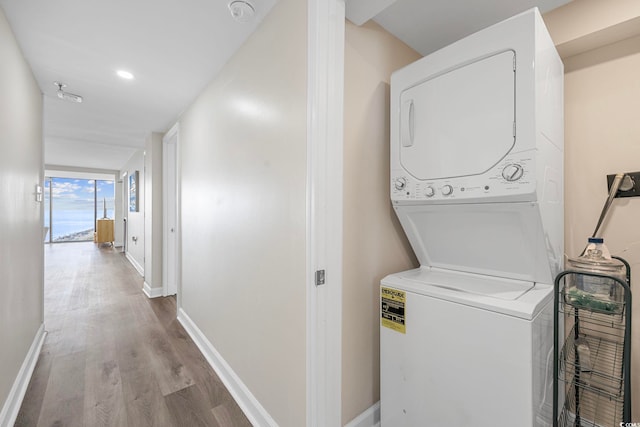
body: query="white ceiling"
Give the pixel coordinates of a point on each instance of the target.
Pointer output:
(174, 48)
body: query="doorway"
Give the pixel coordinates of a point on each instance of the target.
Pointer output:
(125, 210)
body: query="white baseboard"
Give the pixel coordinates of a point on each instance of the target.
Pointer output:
(135, 264)
(16, 394)
(254, 411)
(151, 292)
(369, 418)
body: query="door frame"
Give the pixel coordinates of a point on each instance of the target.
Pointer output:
(124, 176)
(171, 137)
(325, 140)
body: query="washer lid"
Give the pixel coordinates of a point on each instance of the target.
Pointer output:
(490, 286)
(510, 297)
(491, 239)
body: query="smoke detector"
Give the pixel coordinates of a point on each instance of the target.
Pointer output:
(242, 11)
(62, 94)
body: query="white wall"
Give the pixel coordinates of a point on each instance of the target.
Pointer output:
(21, 221)
(135, 220)
(153, 214)
(243, 186)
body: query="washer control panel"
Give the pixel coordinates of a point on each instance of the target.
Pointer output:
(512, 176)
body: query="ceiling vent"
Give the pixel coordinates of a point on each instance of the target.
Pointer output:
(242, 11)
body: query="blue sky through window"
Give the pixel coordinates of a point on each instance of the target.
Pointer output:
(74, 206)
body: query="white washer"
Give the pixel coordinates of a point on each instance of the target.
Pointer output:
(467, 356)
(477, 184)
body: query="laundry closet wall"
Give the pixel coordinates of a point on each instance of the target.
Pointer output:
(374, 243)
(602, 132)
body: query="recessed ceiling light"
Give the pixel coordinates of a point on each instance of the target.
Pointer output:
(125, 75)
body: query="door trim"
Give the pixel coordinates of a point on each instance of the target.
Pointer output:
(125, 211)
(325, 135)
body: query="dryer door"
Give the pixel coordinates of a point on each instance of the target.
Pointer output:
(460, 122)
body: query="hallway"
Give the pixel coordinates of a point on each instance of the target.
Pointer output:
(113, 357)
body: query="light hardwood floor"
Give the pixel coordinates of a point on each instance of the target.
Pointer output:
(113, 357)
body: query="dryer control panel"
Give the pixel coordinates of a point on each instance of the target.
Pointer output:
(513, 176)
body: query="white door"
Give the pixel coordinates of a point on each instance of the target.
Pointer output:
(170, 212)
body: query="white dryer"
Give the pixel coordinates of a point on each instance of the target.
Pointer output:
(477, 183)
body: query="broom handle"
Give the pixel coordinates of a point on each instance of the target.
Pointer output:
(615, 185)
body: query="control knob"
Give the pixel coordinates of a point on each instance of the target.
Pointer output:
(447, 190)
(429, 191)
(512, 172)
(400, 183)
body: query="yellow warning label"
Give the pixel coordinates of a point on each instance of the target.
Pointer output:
(392, 304)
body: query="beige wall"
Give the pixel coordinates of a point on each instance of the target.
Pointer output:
(602, 134)
(586, 24)
(602, 95)
(374, 243)
(153, 209)
(243, 187)
(21, 236)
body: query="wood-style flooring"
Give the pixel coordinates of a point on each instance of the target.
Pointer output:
(113, 357)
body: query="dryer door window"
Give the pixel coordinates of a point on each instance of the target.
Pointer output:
(461, 122)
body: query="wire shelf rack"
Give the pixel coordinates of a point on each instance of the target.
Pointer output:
(603, 370)
(588, 407)
(598, 309)
(592, 355)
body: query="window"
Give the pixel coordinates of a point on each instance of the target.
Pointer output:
(72, 206)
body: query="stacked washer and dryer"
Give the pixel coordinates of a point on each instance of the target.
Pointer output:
(477, 184)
